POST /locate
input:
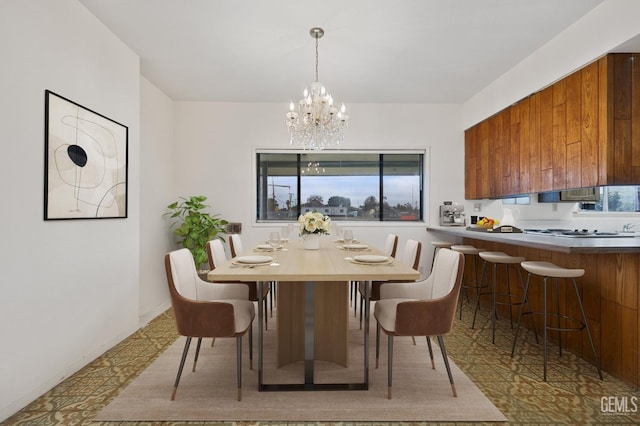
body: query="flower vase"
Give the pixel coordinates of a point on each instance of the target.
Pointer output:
(311, 241)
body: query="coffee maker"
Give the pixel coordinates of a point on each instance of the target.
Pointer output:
(451, 214)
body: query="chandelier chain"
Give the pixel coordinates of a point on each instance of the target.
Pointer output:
(317, 58)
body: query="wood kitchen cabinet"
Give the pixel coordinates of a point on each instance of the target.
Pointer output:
(530, 152)
(520, 140)
(498, 151)
(471, 148)
(581, 131)
(623, 131)
(477, 174)
(492, 160)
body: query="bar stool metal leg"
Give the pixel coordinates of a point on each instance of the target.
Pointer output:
(509, 295)
(476, 283)
(544, 339)
(467, 284)
(494, 298)
(525, 301)
(483, 276)
(524, 297)
(586, 325)
(562, 322)
(506, 296)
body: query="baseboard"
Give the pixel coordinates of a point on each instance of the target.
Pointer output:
(145, 318)
(53, 380)
(13, 407)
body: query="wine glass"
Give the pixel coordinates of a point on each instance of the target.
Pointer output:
(285, 235)
(339, 231)
(348, 237)
(274, 240)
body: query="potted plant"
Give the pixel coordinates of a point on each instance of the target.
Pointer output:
(196, 227)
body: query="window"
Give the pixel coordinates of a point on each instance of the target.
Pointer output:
(618, 199)
(346, 186)
(520, 199)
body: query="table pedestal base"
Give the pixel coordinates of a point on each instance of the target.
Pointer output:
(317, 327)
(330, 317)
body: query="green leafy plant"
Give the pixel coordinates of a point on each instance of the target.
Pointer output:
(196, 227)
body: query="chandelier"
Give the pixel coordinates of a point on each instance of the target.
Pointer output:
(313, 168)
(315, 123)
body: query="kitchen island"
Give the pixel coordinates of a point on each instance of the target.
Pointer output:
(609, 289)
(618, 244)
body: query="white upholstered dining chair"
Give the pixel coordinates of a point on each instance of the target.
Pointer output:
(391, 245)
(203, 309)
(235, 245)
(390, 248)
(410, 256)
(217, 256)
(424, 308)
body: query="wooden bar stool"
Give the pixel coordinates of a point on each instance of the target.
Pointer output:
(470, 254)
(506, 298)
(549, 270)
(438, 245)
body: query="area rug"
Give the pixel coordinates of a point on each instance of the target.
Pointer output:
(420, 393)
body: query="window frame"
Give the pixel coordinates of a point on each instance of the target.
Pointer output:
(581, 211)
(423, 201)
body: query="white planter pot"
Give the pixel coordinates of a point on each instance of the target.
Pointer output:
(311, 241)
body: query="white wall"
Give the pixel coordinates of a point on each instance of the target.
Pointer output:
(156, 179)
(72, 289)
(603, 29)
(69, 288)
(215, 145)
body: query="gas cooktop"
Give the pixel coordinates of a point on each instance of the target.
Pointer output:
(578, 233)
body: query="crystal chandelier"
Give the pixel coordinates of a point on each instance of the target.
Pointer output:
(315, 123)
(313, 168)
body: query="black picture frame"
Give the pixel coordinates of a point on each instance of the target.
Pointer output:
(85, 163)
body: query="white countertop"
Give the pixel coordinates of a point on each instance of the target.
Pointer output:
(547, 242)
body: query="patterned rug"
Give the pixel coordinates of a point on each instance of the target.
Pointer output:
(420, 393)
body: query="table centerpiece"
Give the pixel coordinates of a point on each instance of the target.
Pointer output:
(312, 225)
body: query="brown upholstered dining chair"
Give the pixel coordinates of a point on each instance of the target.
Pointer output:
(410, 256)
(217, 256)
(235, 248)
(391, 245)
(390, 248)
(425, 308)
(203, 309)
(235, 245)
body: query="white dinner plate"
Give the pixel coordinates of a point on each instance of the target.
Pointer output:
(340, 240)
(370, 258)
(264, 247)
(355, 246)
(253, 259)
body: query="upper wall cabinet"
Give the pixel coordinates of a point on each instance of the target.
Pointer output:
(581, 131)
(622, 136)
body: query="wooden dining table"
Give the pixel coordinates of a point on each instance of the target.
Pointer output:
(312, 303)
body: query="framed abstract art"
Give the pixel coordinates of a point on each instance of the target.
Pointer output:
(86, 157)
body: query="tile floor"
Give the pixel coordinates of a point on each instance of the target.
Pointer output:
(572, 395)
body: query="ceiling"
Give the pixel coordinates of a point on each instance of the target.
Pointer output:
(373, 51)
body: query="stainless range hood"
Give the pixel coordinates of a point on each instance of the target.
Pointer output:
(591, 194)
(581, 194)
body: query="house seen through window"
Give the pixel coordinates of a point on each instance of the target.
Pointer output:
(618, 199)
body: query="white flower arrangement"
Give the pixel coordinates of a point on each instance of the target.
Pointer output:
(314, 223)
